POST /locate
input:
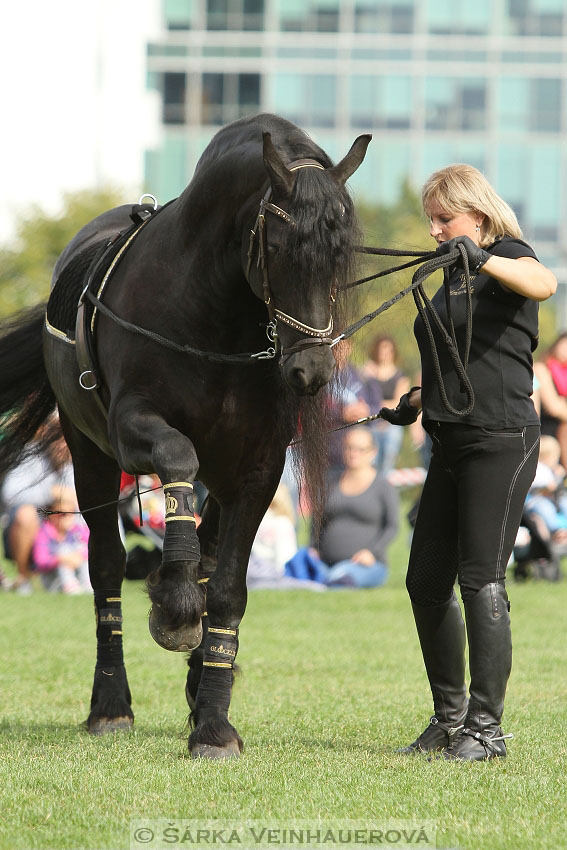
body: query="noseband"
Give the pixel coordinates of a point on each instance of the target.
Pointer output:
(314, 336)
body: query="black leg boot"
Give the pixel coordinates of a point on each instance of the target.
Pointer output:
(490, 661)
(442, 637)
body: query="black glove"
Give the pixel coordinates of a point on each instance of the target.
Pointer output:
(404, 413)
(477, 256)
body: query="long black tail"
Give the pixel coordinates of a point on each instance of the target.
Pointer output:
(26, 397)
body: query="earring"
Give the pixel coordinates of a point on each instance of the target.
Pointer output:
(478, 228)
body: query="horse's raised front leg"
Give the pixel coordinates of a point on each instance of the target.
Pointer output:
(97, 481)
(213, 735)
(145, 442)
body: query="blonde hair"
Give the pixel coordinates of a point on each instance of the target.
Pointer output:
(462, 188)
(549, 450)
(282, 504)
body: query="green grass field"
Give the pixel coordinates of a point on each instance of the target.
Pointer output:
(331, 684)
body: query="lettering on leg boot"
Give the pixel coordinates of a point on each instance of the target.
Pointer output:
(214, 737)
(181, 542)
(221, 646)
(108, 615)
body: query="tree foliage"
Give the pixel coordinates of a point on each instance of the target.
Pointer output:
(401, 225)
(27, 265)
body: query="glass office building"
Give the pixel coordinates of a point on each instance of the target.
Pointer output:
(435, 81)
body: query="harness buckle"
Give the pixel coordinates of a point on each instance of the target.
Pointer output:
(147, 195)
(88, 380)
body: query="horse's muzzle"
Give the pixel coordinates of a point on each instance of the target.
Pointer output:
(307, 371)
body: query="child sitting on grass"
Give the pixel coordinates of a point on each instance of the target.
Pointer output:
(60, 551)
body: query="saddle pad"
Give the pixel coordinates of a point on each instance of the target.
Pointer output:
(64, 297)
(63, 304)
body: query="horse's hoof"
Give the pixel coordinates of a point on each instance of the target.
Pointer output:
(108, 725)
(177, 640)
(207, 751)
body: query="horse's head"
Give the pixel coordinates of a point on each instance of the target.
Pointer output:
(301, 250)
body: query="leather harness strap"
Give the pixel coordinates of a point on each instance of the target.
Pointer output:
(107, 258)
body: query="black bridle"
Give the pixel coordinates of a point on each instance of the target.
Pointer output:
(314, 336)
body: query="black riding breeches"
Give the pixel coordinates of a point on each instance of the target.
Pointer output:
(470, 508)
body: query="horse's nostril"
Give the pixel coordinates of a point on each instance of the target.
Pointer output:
(299, 377)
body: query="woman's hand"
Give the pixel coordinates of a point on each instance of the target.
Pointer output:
(407, 410)
(477, 256)
(524, 275)
(364, 557)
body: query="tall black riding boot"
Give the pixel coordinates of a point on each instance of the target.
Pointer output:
(442, 637)
(490, 661)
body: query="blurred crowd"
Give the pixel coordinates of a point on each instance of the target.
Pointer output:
(46, 538)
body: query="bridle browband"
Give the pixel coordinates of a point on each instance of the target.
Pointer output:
(314, 336)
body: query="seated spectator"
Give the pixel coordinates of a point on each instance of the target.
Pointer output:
(274, 544)
(60, 550)
(360, 519)
(25, 489)
(143, 540)
(382, 368)
(357, 398)
(556, 362)
(553, 407)
(546, 499)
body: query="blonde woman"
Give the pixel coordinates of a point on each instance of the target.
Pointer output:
(482, 463)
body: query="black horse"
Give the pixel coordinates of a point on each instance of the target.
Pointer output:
(249, 259)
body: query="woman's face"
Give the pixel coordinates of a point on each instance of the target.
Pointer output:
(445, 225)
(359, 449)
(385, 352)
(560, 350)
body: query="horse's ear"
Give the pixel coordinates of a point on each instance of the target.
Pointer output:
(348, 165)
(281, 178)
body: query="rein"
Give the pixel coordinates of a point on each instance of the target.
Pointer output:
(429, 260)
(431, 263)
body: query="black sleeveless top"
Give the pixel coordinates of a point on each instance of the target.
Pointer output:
(504, 335)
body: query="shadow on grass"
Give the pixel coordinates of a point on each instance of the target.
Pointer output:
(32, 729)
(313, 744)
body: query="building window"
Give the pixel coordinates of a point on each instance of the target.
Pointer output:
(458, 17)
(546, 105)
(308, 15)
(455, 104)
(534, 104)
(536, 17)
(380, 101)
(392, 16)
(174, 89)
(527, 180)
(179, 14)
(437, 153)
(246, 15)
(307, 99)
(226, 97)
